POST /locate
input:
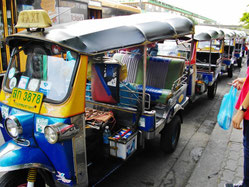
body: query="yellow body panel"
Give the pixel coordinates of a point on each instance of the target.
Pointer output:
(222, 47)
(5, 97)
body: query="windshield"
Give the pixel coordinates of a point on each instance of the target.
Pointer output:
(205, 45)
(38, 69)
(171, 48)
(228, 42)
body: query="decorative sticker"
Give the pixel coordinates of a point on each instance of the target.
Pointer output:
(61, 176)
(45, 87)
(13, 82)
(23, 82)
(4, 111)
(142, 122)
(41, 123)
(112, 82)
(12, 72)
(33, 84)
(180, 99)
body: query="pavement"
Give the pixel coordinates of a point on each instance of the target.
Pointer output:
(222, 159)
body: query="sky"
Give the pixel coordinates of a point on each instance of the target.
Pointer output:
(223, 11)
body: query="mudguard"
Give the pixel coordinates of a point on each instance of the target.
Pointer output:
(14, 157)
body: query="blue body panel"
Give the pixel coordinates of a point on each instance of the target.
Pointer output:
(149, 124)
(237, 55)
(58, 157)
(227, 62)
(13, 156)
(206, 77)
(189, 88)
(60, 154)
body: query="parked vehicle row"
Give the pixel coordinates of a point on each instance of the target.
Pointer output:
(80, 99)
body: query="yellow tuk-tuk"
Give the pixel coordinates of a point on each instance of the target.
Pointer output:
(79, 99)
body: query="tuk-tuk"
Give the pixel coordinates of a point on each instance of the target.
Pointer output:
(202, 54)
(238, 51)
(228, 58)
(208, 60)
(79, 99)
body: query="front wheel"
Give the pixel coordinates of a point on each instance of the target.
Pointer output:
(19, 179)
(212, 90)
(170, 135)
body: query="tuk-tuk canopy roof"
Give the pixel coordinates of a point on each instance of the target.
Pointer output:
(229, 34)
(204, 33)
(240, 34)
(96, 36)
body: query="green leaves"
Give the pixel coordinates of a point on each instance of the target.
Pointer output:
(245, 20)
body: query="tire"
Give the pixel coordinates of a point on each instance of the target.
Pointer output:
(230, 72)
(170, 135)
(19, 178)
(239, 60)
(212, 90)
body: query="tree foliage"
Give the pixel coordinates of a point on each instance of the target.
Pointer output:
(245, 20)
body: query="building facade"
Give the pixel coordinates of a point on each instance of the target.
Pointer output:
(60, 11)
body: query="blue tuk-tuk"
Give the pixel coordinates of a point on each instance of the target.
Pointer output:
(208, 60)
(228, 58)
(239, 43)
(79, 99)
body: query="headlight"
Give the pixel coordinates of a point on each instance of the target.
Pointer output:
(51, 134)
(60, 131)
(13, 127)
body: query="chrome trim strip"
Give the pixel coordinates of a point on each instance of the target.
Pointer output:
(25, 166)
(79, 151)
(151, 135)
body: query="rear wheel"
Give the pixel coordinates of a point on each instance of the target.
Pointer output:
(170, 135)
(212, 90)
(230, 71)
(239, 60)
(19, 179)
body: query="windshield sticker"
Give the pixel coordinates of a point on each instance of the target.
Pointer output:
(13, 82)
(5, 111)
(45, 87)
(41, 123)
(12, 72)
(33, 84)
(23, 82)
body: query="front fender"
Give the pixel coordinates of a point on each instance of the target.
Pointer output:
(14, 157)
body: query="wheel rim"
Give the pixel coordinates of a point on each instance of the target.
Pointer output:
(22, 185)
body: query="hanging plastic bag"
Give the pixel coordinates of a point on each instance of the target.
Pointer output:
(225, 115)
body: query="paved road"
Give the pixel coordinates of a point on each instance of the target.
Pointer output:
(151, 167)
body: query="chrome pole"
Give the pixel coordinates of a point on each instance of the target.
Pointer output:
(210, 56)
(144, 76)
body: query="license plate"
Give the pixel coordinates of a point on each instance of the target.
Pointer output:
(26, 100)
